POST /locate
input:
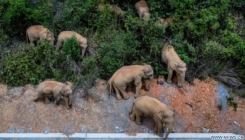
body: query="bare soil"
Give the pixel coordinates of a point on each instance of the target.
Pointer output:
(196, 110)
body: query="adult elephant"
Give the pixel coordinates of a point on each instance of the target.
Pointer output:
(174, 63)
(59, 90)
(38, 32)
(128, 74)
(64, 35)
(152, 107)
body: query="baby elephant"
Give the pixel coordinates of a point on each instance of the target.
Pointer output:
(38, 32)
(59, 90)
(143, 9)
(152, 107)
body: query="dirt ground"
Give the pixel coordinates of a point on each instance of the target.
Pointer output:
(196, 110)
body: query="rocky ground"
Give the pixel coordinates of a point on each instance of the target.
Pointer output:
(196, 110)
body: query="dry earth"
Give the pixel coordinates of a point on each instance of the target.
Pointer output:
(196, 110)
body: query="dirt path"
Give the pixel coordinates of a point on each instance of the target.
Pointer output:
(196, 111)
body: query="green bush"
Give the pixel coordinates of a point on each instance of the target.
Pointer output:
(71, 48)
(90, 72)
(117, 48)
(208, 35)
(17, 15)
(34, 64)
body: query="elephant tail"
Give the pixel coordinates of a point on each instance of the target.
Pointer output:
(130, 112)
(110, 86)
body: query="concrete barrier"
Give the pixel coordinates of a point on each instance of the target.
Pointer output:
(118, 136)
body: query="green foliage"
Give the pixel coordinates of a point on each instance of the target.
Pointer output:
(232, 103)
(17, 15)
(220, 106)
(117, 48)
(90, 72)
(71, 48)
(208, 35)
(34, 64)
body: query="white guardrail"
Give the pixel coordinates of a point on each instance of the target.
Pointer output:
(104, 136)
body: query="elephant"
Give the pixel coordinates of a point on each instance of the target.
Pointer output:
(64, 35)
(38, 32)
(59, 90)
(114, 8)
(164, 22)
(143, 9)
(174, 63)
(152, 107)
(128, 74)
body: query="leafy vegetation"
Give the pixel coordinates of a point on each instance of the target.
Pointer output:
(33, 64)
(208, 35)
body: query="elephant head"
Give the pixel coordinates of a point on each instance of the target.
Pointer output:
(146, 16)
(50, 38)
(167, 118)
(180, 69)
(67, 91)
(147, 72)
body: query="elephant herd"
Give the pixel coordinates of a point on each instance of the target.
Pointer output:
(38, 32)
(123, 77)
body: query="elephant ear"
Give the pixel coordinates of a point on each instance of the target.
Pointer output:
(159, 115)
(173, 65)
(43, 36)
(142, 73)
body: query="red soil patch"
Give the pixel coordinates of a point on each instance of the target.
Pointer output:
(198, 108)
(196, 111)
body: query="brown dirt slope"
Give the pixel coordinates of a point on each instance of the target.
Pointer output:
(196, 110)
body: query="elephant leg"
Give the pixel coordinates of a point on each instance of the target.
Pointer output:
(31, 41)
(159, 126)
(66, 101)
(57, 99)
(47, 100)
(179, 80)
(58, 45)
(122, 89)
(138, 86)
(155, 128)
(132, 116)
(117, 92)
(159, 129)
(138, 115)
(170, 74)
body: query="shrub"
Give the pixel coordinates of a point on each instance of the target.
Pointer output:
(17, 15)
(90, 72)
(71, 48)
(117, 48)
(34, 64)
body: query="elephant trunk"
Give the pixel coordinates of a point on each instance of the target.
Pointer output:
(169, 130)
(83, 51)
(183, 82)
(148, 84)
(70, 99)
